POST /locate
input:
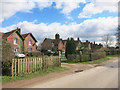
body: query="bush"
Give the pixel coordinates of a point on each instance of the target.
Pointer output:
(98, 54)
(85, 57)
(45, 52)
(36, 54)
(56, 53)
(7, 56)
(70, 47)
(73, 58)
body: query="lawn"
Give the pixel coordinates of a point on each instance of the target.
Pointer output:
(31, 75)
(63, 58)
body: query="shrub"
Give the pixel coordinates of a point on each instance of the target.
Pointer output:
(73, 58)
(56, 53)
(85, 57)
(70, 47)
(36, 54)
(7, 56)
(98, 54)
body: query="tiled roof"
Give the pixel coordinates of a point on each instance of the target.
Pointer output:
(9, 33)
(25, 35)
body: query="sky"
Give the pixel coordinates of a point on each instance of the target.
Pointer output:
(86, 19)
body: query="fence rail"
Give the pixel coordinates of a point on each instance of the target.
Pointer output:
(30, 65)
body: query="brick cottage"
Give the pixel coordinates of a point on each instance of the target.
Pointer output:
(59, 44)
(20, 42)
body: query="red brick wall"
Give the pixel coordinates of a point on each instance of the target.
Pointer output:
(64, 46)
(11, 41)
(60, 46)
(26, 44)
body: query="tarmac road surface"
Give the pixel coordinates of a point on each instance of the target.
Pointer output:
(105, 76)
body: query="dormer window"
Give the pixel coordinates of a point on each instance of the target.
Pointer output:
(15, 41)
(30, 42)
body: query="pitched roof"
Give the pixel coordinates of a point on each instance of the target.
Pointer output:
(6, 35)
(25, 35)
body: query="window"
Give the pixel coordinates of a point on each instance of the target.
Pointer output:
(16, 49)
(30, 49)
(15, 41)
(30, 42)
(52, 44)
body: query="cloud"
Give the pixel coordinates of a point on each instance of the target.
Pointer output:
(91, 29)
(99, 6)
(11, 7)
(68, 5)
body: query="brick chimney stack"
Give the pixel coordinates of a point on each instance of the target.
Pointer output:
(19, 30)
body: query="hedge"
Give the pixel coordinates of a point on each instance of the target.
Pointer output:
(98, 54)
(7, 56)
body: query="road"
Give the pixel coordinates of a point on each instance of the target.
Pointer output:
(105, 76)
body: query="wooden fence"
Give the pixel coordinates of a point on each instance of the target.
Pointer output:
(30, 65)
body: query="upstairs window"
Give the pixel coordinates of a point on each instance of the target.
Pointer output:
(30, 42)
(15, 41)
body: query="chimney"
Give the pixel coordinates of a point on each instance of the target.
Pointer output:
(57, 36)
(94, 42)
(19, 30)
(86, 40)
(78, 39)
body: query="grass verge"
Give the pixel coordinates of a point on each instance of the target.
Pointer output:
(97, 61)
(88, 62)
(6, 79)
(113, 55)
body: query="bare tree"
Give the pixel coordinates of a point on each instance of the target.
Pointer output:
(107, 40)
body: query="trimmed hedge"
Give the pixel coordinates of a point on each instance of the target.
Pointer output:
(85, 57)
(112, 52)
(98, 54)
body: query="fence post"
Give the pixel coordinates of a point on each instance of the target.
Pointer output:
(15, 67)
(18, 65)
(26, 65)
(35, 64)
(12, 67)
(21, 65)
(59, 58)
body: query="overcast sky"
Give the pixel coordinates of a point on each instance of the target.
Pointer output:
(86, 19)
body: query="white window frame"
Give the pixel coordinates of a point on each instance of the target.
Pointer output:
(16, 49)
(15, 41)
(30, 43)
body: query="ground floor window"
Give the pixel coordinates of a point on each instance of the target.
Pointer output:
(16, 49)
(29, 49)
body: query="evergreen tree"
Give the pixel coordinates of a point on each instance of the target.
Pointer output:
(70, 47)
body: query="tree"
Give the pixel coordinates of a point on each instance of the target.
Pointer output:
(107, 40)
(7, 56)
(70, 47)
